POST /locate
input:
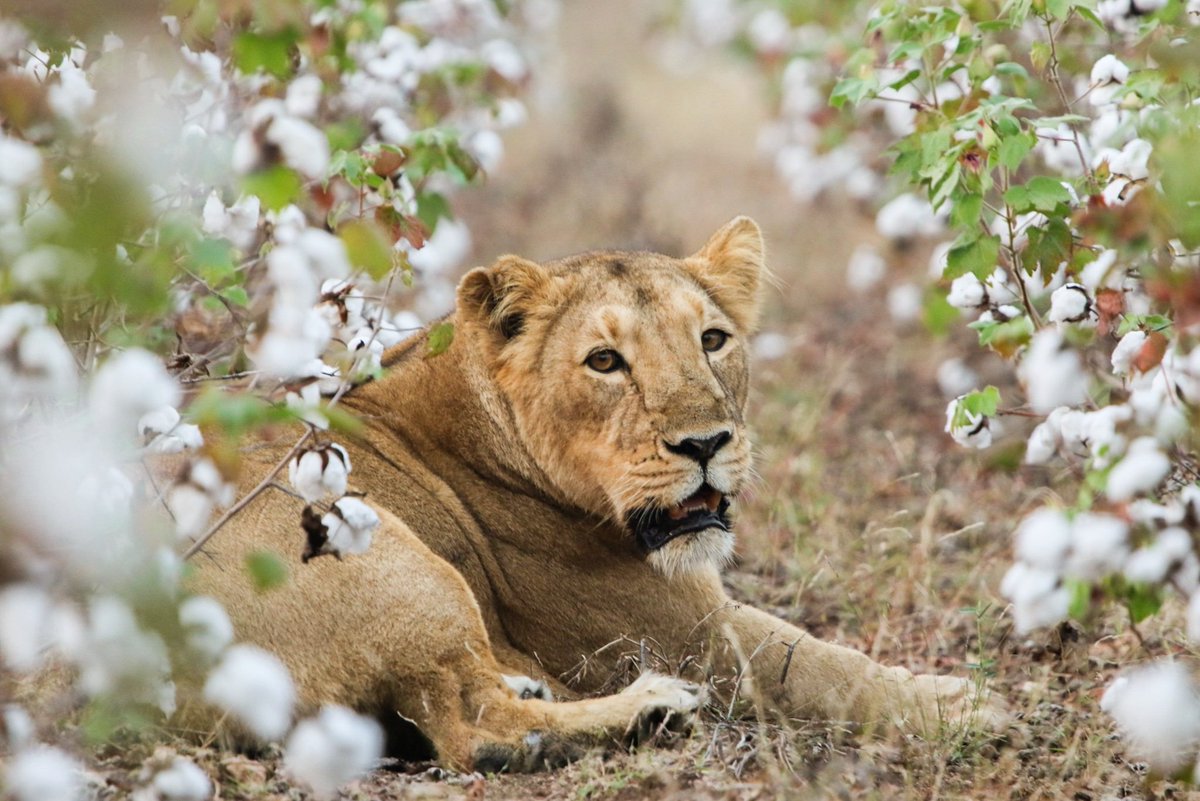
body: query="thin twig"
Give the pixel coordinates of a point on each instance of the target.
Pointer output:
(248, 497)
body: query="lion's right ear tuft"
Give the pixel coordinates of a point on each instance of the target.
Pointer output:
(501, 295)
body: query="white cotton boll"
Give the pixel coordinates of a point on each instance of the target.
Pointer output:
(392, 128)
(1126, 351)
(1100, 433)
(20, 162)
(305, 148)
(184, 437)
(24, 632)
(505, 60)
(158, 421)
(1042, 444)
(18, 727)
(253, 686)
(904, 302)
(119, 655)
(445, 249)
(487, 148)
(190, 507)
(1133, 160)
(771, 345)
(1157, 710)
(207, 625)
(1109, 69)
(304, 96)
(42, 773)
(865, 269)
(1043, 539)
(319, 472)
(1143, 468)
(1037, 595)
(350, 526)
(45, 364)
(332, 749)
(1070, 304)
(1193, 617)
(967, 292)
(975, 433)
(182, 781)
(769, 31)
(128, 386)
(1152, 564)
(325, 252)
(907, 216)
(214, 219)
(73, 95)
(1051, 374)
(955, 377)
(1098, 546)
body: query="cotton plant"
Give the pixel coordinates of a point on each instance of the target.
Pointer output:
(232, 244)
(1063, 178)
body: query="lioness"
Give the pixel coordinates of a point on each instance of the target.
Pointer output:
(562, 477)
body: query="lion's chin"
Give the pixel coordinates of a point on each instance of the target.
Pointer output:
(693, 553)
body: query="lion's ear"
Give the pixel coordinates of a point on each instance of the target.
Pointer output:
(501, 295)
(732, 266)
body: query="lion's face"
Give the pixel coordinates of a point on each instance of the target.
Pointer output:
(627, 376)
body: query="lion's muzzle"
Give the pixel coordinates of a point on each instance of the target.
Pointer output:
(706, 508)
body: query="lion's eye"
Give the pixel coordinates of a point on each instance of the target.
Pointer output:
(713, 339)
(605, 361)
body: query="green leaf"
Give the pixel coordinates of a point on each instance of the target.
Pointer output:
(367, 247)
(439, 339)
(1049, 246)
(212, 259)
(966, 210)
(275, 186)
(1039, 194)
(1143, 601)
(1013, 149)
(1005, 337)
(432, 207)
(1039, 55)
(976, 254)
(270, 52)
(235, 414)
(1149, 322)
(937, 314)
(267, 570)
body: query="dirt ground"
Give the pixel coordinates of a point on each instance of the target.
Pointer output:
(868, 527)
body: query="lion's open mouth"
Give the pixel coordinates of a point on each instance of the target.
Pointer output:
(704, 508)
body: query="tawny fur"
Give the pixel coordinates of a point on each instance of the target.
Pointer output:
(503, 470)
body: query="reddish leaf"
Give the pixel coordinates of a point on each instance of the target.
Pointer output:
(1110, 304)
(1151, 354)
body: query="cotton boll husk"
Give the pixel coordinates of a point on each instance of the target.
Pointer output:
(1157, 711)
(253, 686)
(332, 749)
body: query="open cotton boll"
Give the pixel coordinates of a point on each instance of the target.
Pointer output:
(1043, 539)
(955, 377)
(253, 686)
(304, 96)
(320, 471)
(1099, 546)
(1038, 597)
(129, 385)
(907, 216)
(350, 524)
(1126, 351)
(1052, 374)
(20, 162)
(1070, 303)
(42, 773)
(974, 431)
(1157, 711)
(332, 749)
(183, 780)
(1151, 565)
(1143, 468)
(206, 624)
(305, 148)
(967, 292)
(24, 634)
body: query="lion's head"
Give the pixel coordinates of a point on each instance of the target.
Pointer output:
(626, 374)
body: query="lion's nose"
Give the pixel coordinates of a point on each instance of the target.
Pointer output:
(700, 449)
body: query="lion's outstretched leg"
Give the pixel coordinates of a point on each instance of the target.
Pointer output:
(799, 675)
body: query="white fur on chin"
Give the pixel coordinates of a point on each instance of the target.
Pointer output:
(692, 553)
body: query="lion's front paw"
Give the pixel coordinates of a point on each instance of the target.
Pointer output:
(665, 705)
(953, 702)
